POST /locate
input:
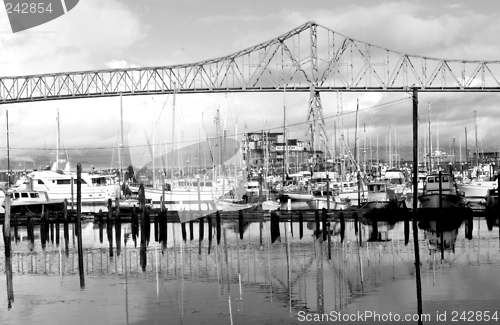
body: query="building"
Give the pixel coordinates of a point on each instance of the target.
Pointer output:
(258, 146)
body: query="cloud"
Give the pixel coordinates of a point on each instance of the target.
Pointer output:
(72, 42)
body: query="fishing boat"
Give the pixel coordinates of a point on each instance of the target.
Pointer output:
(381, 201)
(26, 201)
(440, 191)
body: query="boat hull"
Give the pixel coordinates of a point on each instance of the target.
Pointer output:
(177, 200)
(477, 190)
(37, 207)
(226, 205)
(318, 203)
(448, 201)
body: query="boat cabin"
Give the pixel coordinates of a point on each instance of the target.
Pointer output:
(377, 191)
(431, 183)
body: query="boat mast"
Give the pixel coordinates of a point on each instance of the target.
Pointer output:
(430, 140)
(356, 149)
(466, 148)
(477, 148)
(173, 126)
(390, 148)
(8, 148)
(285, 153)
(58, 142)
(120, 148)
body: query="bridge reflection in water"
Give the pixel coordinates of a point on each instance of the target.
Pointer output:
(246, 279)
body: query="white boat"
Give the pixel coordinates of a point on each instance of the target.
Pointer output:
(477, 189)
(26, 201)
(233, 205)
(183, 195)
(299, 195)
(96, 189)
(321, 202)
(271, 205)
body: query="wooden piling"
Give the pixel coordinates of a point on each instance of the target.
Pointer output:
(240, 223)
(327, 192)
(101, 226)
(355, 215)
(8, 252)
(43, 230)
(143, 230)
(374, 235)
(165, 229)
(110, 211)
(57, 228)
(133, 225)
(342, 226)
(79, 223)
(191, 231)
(66, 226)
(209, 220)
(407, 231)
(6, 225)
(470, 226)
(301, 225)
(217, 220)
(323, 221)
(156, 227)
(118, 229)
(183, 230)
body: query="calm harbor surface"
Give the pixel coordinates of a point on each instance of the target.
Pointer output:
(253, 279)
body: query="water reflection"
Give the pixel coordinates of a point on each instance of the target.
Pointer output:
(182, 276)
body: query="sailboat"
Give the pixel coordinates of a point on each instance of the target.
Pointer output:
(239, 199)
(268, 205)
(181, 194)
(96, 189)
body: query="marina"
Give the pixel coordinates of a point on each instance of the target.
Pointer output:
(260, 164)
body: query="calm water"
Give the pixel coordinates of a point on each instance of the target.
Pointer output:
(251, 280)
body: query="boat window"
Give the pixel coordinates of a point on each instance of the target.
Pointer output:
(430, 180)
(382, 188)
(208, 183)
(40, 181)
(445, 179)
(34, 195)
(16, 195)
(371, 188)
(99, 180)
(24, 194)
(63, 181)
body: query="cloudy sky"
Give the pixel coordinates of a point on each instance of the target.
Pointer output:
(119, 34)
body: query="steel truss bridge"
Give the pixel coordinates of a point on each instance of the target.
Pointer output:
(310, 58)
